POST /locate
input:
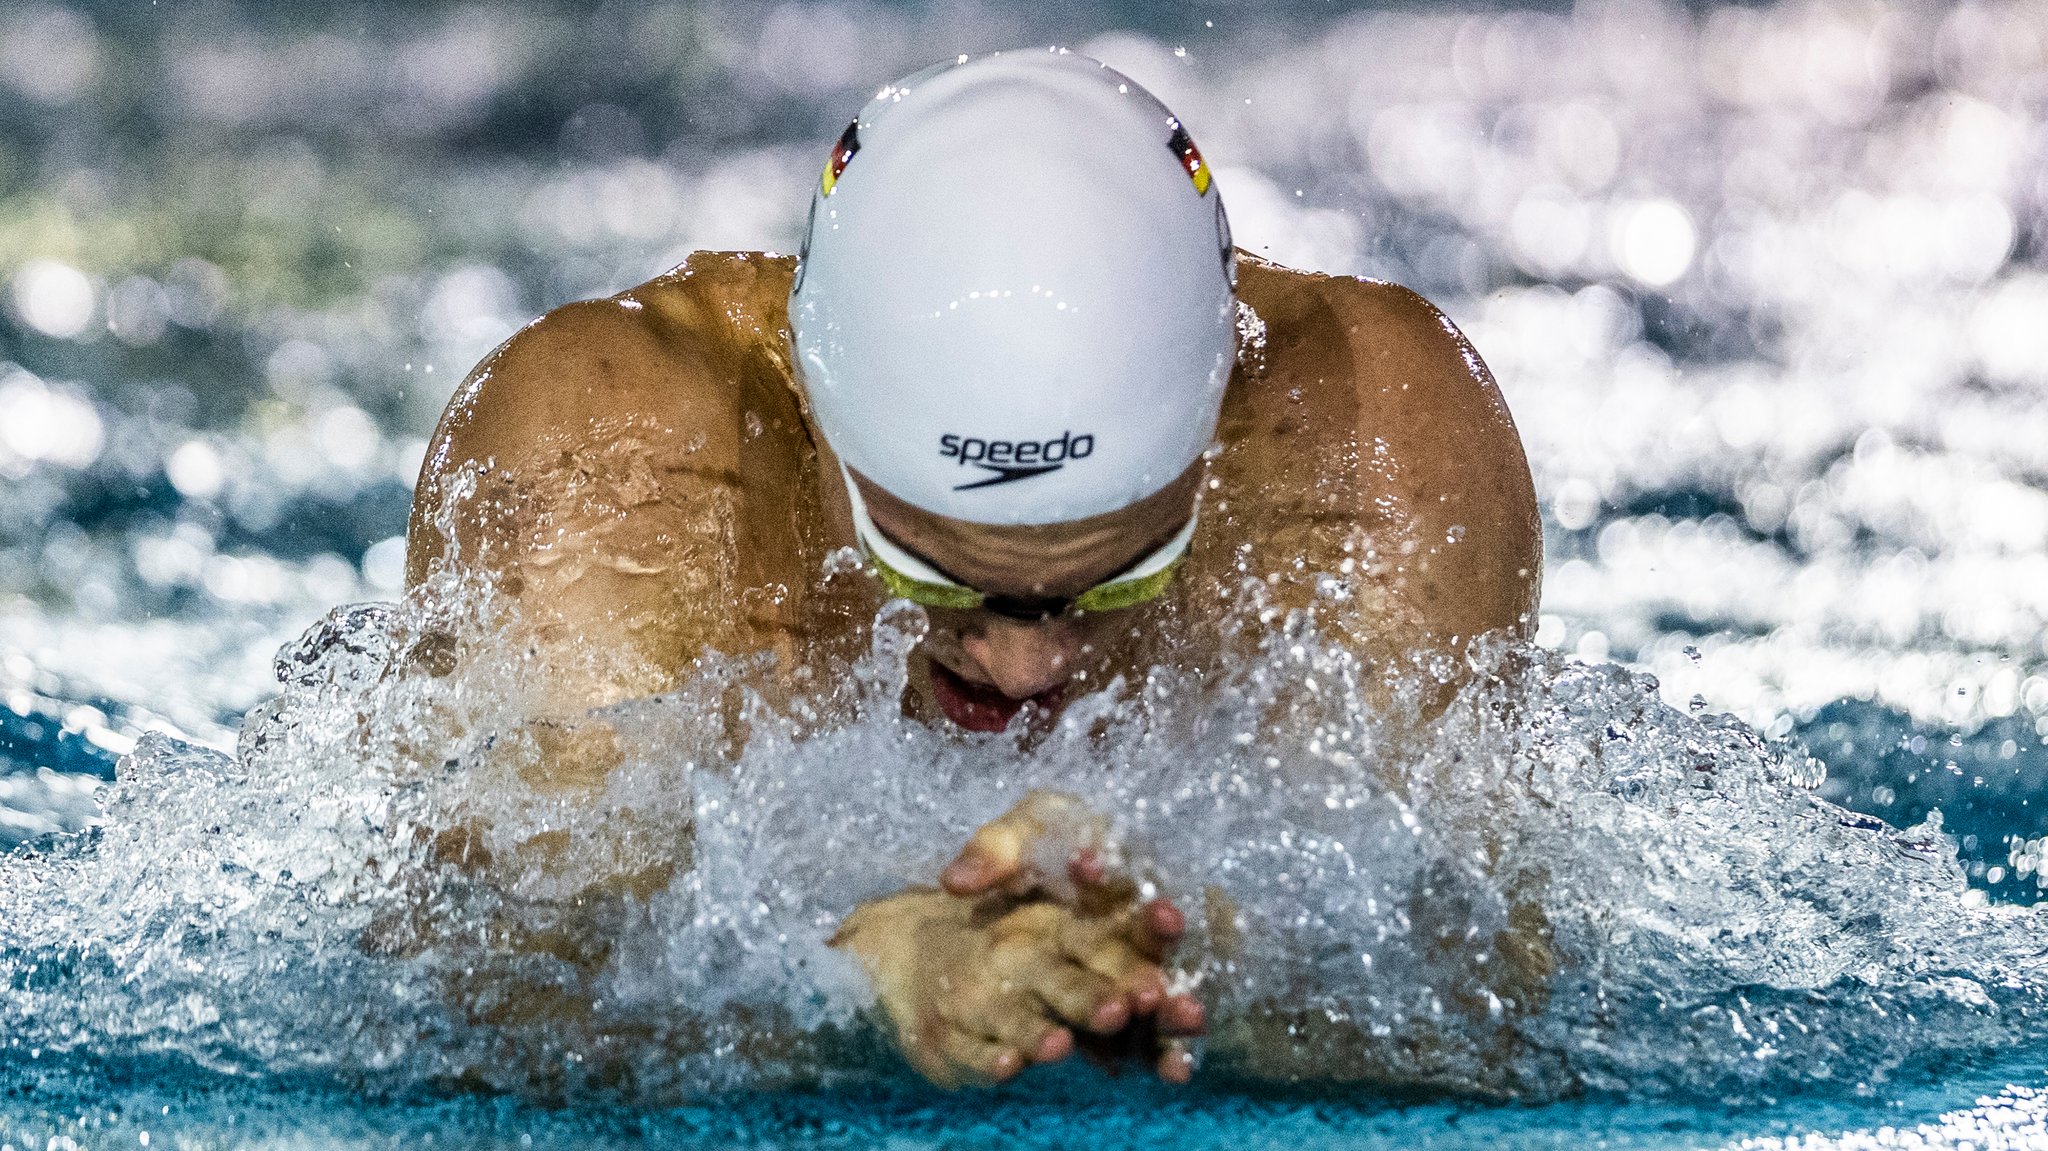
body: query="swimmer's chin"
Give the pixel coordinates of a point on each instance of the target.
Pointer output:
(979, 707)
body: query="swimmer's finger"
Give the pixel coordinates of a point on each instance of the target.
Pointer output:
(1109, 953)
(993, 858)
(978, 1057)
(1025, 1030)
(1157, 928)
(1093, 876)
(1099, 889)
(1176, 1063)
(1081, 998)
(1000, 855)
(1152, 930)
(1087, 869)
(1182, 1016)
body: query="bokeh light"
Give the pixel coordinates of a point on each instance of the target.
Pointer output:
(1764, 284)
(53, 298)
(1653, 241)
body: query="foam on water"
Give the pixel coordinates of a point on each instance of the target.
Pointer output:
(1558, 884)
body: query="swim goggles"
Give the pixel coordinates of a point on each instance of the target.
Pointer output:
(908, 577)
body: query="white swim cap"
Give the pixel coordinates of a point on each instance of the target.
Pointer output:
(1014, 304)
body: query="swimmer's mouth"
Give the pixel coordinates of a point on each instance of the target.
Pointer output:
(978, 707)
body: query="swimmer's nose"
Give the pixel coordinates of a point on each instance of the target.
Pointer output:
(1022, 659)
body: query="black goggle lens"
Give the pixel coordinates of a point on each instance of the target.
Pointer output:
(1033, 609)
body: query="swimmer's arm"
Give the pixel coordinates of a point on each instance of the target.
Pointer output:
(1442, 485)
(604, 436)
(1424, 392)
(1477, 568)
(587, 373)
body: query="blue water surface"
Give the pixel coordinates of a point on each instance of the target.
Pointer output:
(101, 1106)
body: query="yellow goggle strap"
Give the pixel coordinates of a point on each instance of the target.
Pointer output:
(908, 577)
(919, 592)
(903, 574)
(1147, 579)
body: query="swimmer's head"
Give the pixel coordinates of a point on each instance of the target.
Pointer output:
(1015, 301)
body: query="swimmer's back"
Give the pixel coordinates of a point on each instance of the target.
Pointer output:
(653, 483)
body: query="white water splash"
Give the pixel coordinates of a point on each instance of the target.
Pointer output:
(1559, 884)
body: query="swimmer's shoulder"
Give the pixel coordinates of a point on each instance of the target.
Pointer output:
(1402, 348)
(662, 356)
(1372, 380)
(734, 302)
(666, 359)
(675, 364)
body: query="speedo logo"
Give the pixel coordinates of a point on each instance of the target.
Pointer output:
(1013, 460)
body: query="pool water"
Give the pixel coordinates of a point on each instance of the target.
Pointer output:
(1762, 286)
(75, 1105)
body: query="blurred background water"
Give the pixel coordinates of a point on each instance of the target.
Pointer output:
(1766, 287)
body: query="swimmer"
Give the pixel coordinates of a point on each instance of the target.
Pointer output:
(1019, 370)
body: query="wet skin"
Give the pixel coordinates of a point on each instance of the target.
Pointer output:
(993, 973)
(648, 485)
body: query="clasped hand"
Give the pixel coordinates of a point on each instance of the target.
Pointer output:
(1033, 947)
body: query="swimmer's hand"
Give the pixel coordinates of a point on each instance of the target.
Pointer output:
(1050, 844)
(1019, 963)
(977, 990)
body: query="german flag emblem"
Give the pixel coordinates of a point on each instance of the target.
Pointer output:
(1190, 157)
(842, 155)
